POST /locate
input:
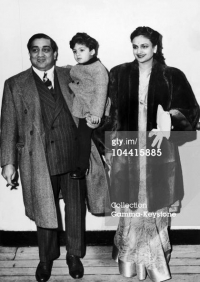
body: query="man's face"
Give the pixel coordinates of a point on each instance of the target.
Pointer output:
(41, 54)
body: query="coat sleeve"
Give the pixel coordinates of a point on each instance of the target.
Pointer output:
(103, 134)
(108, 128)
(184, 108)
(8, 128)
(100, 79)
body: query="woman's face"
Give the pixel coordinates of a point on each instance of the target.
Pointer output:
(143, 49)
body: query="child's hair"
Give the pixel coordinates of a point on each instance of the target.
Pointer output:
(84, 39)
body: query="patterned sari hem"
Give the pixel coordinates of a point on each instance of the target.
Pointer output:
(131, 269)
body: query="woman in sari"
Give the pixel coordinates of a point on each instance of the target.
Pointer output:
(151, 104)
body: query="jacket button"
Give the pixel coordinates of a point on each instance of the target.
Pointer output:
(30, 153)
(77, 82)
(31, 132)
(25, 111)
(72, 81)
(52, 142)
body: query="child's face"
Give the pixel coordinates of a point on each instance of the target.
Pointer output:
(82, 53)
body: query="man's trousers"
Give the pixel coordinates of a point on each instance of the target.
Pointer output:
(74, 195)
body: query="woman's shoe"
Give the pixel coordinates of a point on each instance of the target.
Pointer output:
(115, 253)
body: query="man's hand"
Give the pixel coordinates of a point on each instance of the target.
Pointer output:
(9, 172)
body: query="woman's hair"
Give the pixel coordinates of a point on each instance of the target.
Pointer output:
(155, 38)
(39, 36)
(84, 39)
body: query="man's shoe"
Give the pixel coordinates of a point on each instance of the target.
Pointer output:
(78, 173)
(43, 271)
(75, 265)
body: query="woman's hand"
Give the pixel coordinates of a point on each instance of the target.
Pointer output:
(108, 158)
(158, 139)
(163, 127)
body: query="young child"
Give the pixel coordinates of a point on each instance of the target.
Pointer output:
(89, 85)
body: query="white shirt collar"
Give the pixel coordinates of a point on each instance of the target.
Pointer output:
(50, 74)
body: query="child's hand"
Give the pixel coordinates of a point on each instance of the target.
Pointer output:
(88, 117)
(95, 119)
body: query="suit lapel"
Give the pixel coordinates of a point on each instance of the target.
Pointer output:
(44, 93)
(64, 80)
(28, 88)
(30, 97)
(48, 99)
(59, 100)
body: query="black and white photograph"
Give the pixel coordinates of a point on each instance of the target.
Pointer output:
(99, 140)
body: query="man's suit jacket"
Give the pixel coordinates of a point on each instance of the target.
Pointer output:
(60, 128)
(23, 144)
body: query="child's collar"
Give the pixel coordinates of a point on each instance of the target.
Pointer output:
(91, 61)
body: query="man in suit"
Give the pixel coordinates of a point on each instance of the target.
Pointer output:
(39, 135)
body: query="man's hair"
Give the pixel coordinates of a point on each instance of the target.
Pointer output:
(39, 36)
(84, 39)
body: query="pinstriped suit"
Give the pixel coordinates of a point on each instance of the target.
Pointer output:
(61, 152)
(60, 129)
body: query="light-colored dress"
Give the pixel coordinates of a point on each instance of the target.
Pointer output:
(141, 243)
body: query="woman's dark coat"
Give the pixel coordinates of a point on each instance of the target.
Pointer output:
(168, 87)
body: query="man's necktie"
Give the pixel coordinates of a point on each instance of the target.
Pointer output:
(48, 83)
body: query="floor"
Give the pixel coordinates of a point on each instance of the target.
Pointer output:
(19, 264)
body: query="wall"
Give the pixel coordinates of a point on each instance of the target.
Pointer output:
(110, 22)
